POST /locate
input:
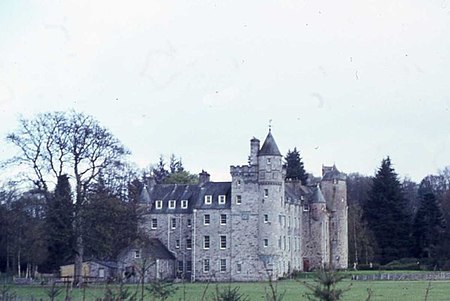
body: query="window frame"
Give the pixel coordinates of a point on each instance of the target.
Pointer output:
(206, 242)
(172, 204)
(223, 219)
(154, 223)
(208, 199)
(206, 265)
(223, 242)
(158, 204)
(222, 199)
(184, 204)
(223, 265)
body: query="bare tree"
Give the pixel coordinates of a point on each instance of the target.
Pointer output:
(57, 143)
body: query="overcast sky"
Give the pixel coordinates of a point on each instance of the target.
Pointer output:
(346, 82)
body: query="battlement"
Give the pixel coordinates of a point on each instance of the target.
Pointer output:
(243, 169)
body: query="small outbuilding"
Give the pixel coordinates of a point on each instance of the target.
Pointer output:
(147, 258)
(92, 271)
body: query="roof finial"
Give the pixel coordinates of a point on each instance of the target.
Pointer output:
(270, 125)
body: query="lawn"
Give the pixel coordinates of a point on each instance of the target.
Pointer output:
(382, 290)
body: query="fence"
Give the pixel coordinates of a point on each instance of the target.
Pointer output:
(403, 276)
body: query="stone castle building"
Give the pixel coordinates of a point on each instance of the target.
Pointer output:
(257, 225)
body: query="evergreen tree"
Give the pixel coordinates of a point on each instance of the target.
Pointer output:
(429, 222)
(294, 166)
(59, 224)
(160, 172)
(110, 224)
(387, 216)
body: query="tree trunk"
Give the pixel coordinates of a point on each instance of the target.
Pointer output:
(79, 250)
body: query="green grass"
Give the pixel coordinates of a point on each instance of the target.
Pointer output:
(382, 290)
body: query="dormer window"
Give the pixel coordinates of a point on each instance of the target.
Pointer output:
(184, 204)
(158, 204)
(172, 204)
(221, 199)
(208, 199)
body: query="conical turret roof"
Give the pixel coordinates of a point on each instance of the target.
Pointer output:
(317, 196)
(269, 147)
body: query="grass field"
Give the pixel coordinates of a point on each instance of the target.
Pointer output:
(382, 290)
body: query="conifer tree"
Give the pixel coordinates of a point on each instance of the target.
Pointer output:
(429, 222)
(294, 166)
(59, 224)
(387, 216)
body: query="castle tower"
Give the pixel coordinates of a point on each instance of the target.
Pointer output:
(257, 201)
(316, 232)
(273, 246)
(334, 188)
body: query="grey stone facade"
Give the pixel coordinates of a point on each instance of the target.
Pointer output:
(257, 225)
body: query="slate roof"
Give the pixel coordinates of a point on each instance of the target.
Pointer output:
(269, 147)
(194, 194)
(151, 247)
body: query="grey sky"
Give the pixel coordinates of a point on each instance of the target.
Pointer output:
(347, 82)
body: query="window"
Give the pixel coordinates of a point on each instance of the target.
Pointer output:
(239, 267)
(223, 265)
(101, 273)
(206, 265)
(208, 199)
(180, 265)
(189, 222)
(184, 204)
(266, 242)
(206, 219)
(206, 242)
(279, 242)
(158, 204)
(172, 204)
(188, 243)
(154, 223)
(238, 199)
(223, 242)
(174, 223)
(188, 266)
(269, 161)
(221, 199)
(266, 192)
(137, 254)
(177, 243)
(223, 219)
(266, 218)
(239, 182)
(305, 207)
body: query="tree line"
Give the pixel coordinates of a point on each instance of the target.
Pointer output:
(76, 197)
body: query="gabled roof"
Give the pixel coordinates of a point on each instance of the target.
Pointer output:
(269, 147)
(151, 247)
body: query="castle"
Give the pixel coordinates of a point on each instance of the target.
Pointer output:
(257, 225)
